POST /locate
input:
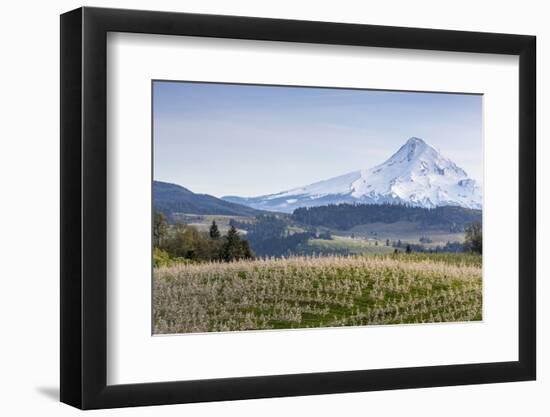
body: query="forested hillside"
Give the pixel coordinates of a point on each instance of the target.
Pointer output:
(346, 216)
(172, 198)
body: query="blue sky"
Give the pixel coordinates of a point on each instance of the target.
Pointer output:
(248, 140)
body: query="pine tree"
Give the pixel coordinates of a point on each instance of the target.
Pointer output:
(160, 229)
(232, 246)
(474, 238)
(246, 251)
(214, 231)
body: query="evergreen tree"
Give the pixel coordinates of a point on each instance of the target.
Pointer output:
(231, 245)
(214, 231)
(474, 238)
(408, 249)
(160, 229)
(234, 248)
(246, 251)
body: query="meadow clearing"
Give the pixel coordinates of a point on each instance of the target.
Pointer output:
(327, 291)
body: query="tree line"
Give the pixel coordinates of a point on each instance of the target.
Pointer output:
(269, 235)
(184, 243)
(346, 216)
(473, 243)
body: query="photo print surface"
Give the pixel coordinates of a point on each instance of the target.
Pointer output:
(283, 207)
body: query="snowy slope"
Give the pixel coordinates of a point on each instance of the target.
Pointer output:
(416, 174)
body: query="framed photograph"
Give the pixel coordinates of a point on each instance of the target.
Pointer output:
(257, 208)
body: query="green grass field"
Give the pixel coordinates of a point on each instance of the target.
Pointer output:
(353, 245)
(407, 232)
(305, 292)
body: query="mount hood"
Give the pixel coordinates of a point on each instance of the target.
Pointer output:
(416, 175)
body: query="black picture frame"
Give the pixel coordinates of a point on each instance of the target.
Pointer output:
(84, 207)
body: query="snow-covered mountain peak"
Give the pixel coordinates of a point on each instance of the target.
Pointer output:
(414, 140)
(413, 147)
(419, 158)
(417, 174)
